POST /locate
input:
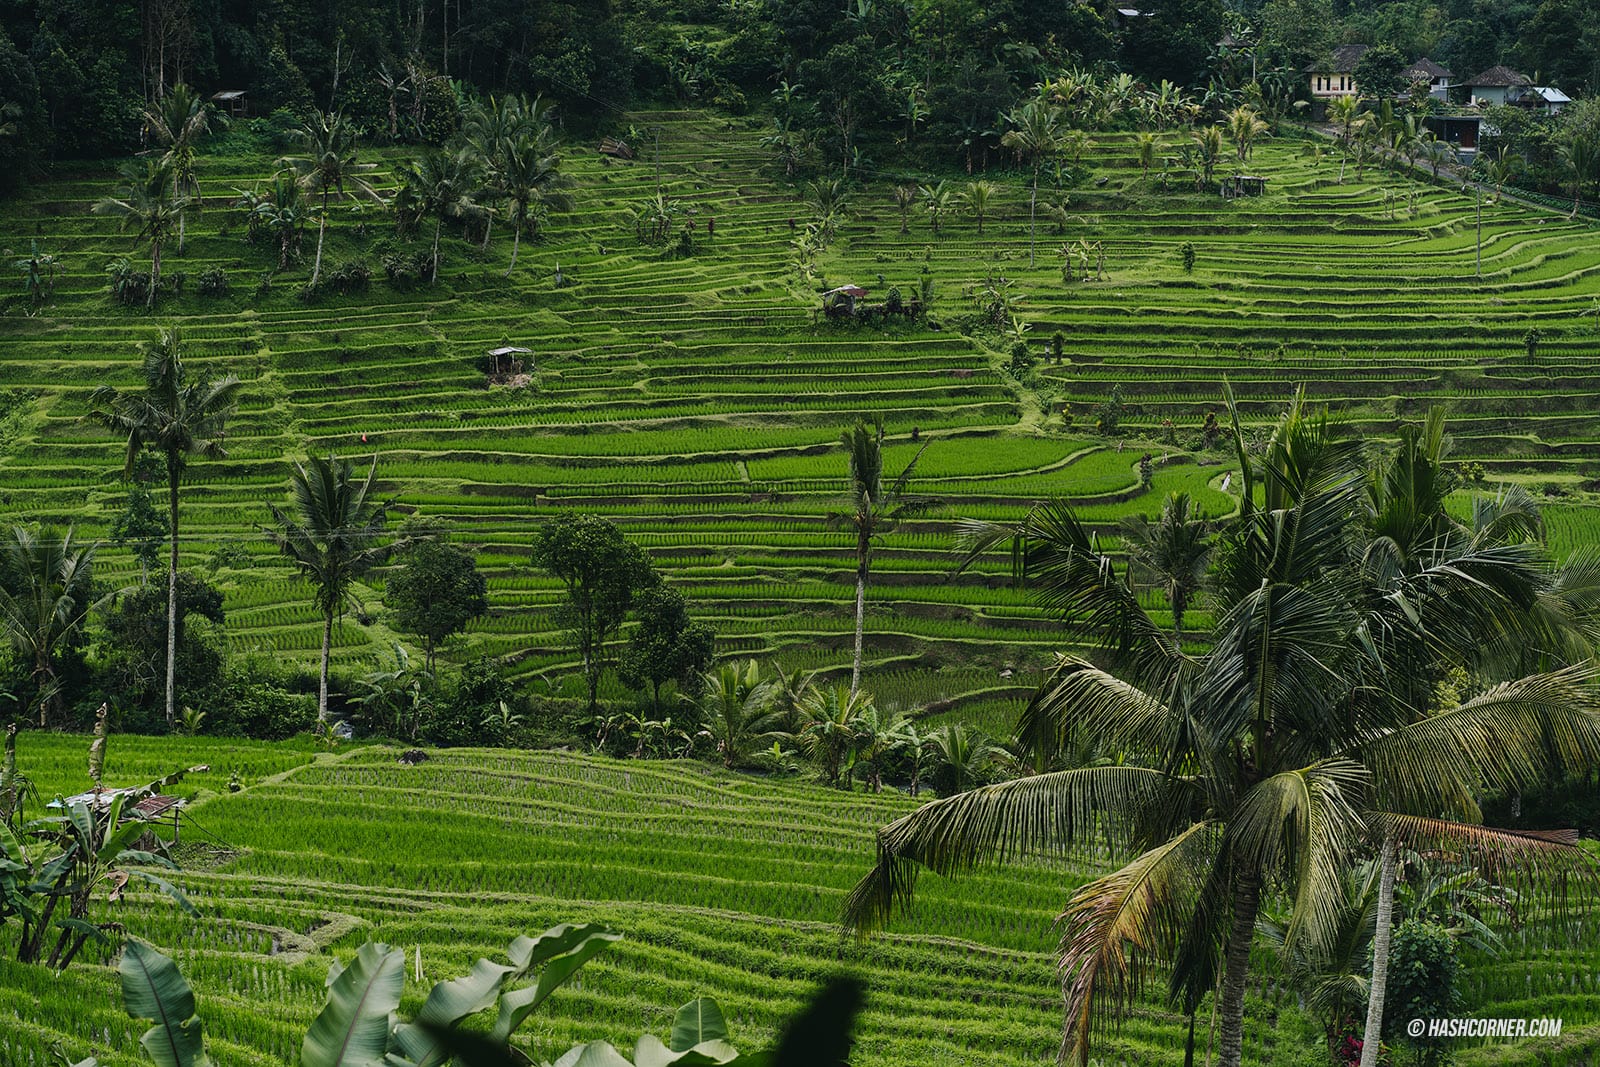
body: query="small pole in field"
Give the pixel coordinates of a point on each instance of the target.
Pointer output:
(656, 131)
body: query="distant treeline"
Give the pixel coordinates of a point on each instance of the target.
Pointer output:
(931, 74)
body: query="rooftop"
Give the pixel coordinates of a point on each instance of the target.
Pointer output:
(1426, 68)
(1498, 77)
(1342, 61)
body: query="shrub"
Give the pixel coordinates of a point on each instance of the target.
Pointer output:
(351, 276)
(405, 268)
(1021, 361)
(214, 282)
(129, 285)
(255, 702)
(1186, 250)
(893, 302)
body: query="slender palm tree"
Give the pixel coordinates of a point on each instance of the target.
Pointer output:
(178, 419)
(334, 535)
(871, 509)
(47, 596)
(178, 121)
(937, 200)
(979, 197)
(279, 212)
(149, 205)
(489, 128)
(905, 194)
(329, 166)
(964, 757)
(738, 708)
(1173, 550)
(441, 183)
(1208, 149)
(1036, 131)
(533, 185)
(1264, 764)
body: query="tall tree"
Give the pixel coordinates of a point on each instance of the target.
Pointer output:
(441, 183)
(667, 645)
(329, 166)
(148, 205)
(1263, 764)
(531, 181)
(334, 534)
(1036, 132)
(979, 198)
(47, 591)
(178, 121)
(177, 419)
(870, 509)
(435, 592)
(603, 573)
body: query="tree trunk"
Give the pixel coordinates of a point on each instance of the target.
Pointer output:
(516, 239)
(1236, 966)
(1372, 1037)
(322, 682)
(155, 273)
(438, 224)
(488, 225)
(172, 593)
(322, 230)
(1033, 204)
(861, 620)
(182, 218)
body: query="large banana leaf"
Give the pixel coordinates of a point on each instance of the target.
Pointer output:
(153, 989)
(715, 1052)
(698, 1021)
(353, 1028)
(562, 950)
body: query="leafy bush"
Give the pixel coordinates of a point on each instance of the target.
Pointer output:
(255, 702)
(406, 268)
(351, 276)
(129, 285)
(214, 282)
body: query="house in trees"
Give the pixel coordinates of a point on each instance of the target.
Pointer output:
(1335, 76)
(1436, 77)
(1502, 85)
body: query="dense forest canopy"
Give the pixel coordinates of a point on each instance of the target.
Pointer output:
(74, 74)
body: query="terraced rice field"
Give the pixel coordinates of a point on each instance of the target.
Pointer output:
(698, 401)
(725, 885)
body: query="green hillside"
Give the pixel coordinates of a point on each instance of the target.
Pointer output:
(698, 400)
(725, 885)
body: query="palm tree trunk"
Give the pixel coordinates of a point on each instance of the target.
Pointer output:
(488, 225)
(322, 681)
(172, 594)
(1372, 1037)
(438, 224)
(183, 217)
(861, 619)
(1033, 204)
(516, 239)
(155, 273)
(322, 230)
(1236, 966)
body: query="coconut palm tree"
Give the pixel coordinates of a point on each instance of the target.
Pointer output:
(178, 121)
(1503, 166)
(1266, 763)
(871, 509)
(964, 758)
(738, 708)
(979, 197)
(334, 535)
(1145, 144)
(1580, 154)
(47, 595)
(149, 205)
(1173, 551)
(280, 212)
(1208, 149)
(937, 200)
(489, 128)
(533, 185)
(905, 194)
(1244, 126)
(178, 419)
(1035, 131)
(329, 166)
(441, 183)
(829, 728)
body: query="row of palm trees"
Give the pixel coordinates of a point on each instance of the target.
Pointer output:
(745, 714)
(1310, 728)
(504, 164)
